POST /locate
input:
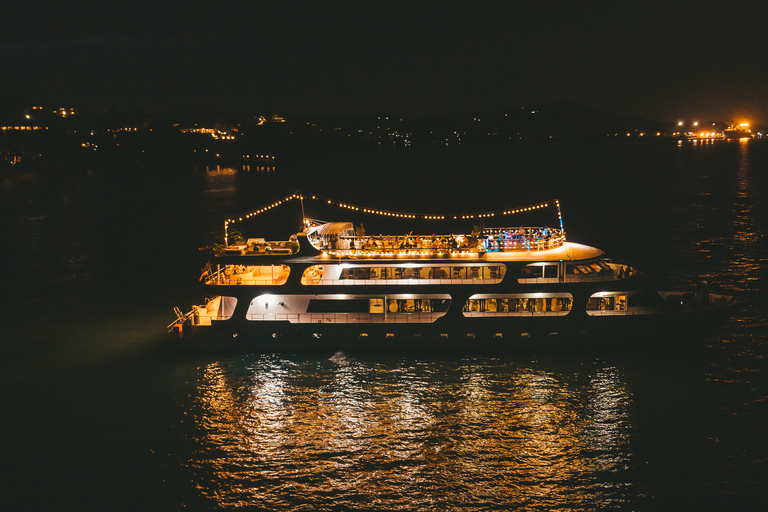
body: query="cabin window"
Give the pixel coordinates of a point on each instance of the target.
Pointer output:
(518, 305)
(254, 275)
(313, 274)
(592, 269)
(376, 306)
(458, 272)
(342, 274)
(418, 305)
(539, 271)
(602, 303)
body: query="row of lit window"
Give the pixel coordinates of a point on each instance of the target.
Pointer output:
(319, 274)
(512, 305)
(462, 272)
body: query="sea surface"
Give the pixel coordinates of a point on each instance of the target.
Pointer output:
(100, 413)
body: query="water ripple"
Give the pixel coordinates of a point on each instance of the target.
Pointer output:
(348, 433)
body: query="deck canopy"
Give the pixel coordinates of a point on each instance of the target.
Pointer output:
(333, 228)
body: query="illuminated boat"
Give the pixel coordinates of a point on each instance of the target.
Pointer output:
(738, 131)
(499, 286)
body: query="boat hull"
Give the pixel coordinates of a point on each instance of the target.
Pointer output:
(573, 332)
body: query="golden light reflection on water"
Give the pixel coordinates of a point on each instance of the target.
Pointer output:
(717, 234)
(747, 256)
(293, 434)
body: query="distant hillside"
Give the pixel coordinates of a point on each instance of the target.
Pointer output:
(563, 119)
(560, 120)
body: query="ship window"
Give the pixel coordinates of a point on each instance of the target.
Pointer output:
(319, 274)
(459, 273)
(531, 272)
(355, 273)
(411, 273)
(253, 275)
(312, 275)
(595, 269)
(505, 306)
(439, 272)
(376, 306)
(607, 303)
(539, 271)
(581, 269)
(418, 305)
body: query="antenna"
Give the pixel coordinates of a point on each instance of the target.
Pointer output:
(303, 217)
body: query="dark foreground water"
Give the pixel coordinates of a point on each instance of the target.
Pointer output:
(98, 413)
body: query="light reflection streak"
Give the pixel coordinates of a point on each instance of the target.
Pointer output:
(276, 433)
(717, 238)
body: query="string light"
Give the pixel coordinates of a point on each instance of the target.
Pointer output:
(405, 215)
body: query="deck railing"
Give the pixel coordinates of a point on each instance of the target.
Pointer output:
(445, 245)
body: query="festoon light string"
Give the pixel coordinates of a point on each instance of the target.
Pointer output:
(390, 213)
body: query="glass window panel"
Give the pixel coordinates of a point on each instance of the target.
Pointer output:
(531, 272)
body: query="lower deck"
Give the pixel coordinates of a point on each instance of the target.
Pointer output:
(522, 333)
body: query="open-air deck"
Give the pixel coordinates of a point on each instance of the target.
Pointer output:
(441, 246)
(342, 241)
(345, 244)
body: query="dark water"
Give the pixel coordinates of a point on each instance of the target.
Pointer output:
(99, 415)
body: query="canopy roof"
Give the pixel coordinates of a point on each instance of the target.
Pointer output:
(569, 251)
(333, 228)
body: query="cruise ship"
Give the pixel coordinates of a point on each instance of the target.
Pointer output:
(502, 286)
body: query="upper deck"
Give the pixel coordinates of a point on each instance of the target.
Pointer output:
(344, 241)
(459, 247)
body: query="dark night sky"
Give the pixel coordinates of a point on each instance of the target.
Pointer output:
(660, 60)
